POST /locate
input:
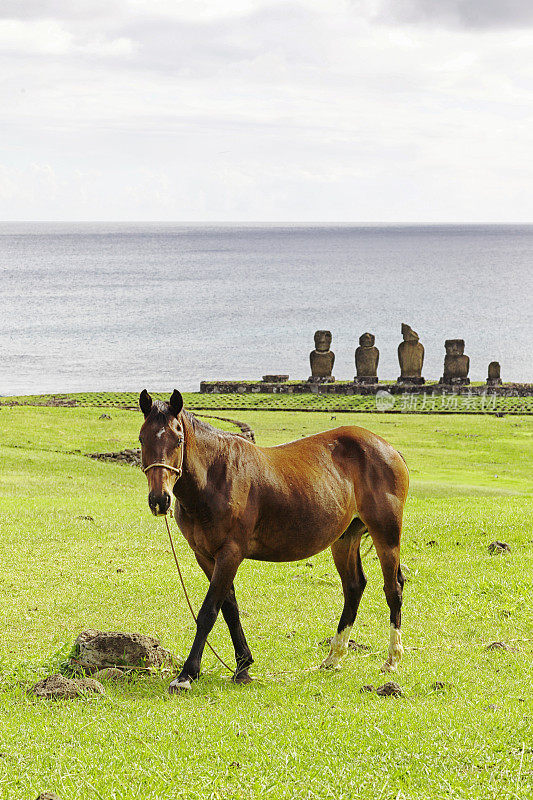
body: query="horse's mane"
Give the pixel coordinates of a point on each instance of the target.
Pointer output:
(161, 413)
(200, 425)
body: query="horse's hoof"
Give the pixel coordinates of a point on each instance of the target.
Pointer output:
(177, 686)
(242, 678)
(388, 667)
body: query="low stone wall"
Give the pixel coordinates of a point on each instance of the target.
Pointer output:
(306, 387)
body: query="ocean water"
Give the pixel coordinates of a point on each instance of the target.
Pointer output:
(123, 306)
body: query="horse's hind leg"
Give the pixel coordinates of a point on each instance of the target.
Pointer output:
(347, 557)
(385, 528)
(243, 655)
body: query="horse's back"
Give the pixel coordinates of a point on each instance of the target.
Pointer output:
(355, 454)
(349, 443)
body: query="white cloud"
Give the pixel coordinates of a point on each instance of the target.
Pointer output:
(46, 38)
(25, 187)
(51, 38)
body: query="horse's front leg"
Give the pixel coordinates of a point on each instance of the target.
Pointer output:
(230, 612)
(226, 565)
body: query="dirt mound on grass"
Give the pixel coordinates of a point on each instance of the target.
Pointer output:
(130, 456)
(56, 687)
(97, 650)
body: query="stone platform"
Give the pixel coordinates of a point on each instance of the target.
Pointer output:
(351, 388)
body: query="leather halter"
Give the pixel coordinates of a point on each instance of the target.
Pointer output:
(177, 470)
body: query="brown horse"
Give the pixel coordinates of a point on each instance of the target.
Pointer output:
(235, 500)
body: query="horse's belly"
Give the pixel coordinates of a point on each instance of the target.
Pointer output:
(296, 552)
(287, 539)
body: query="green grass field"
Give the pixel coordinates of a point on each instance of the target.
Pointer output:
(402, 404)
(296, 732)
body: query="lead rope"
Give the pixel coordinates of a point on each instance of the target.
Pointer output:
(187, 596)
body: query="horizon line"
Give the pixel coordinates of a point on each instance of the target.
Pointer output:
(280, 223)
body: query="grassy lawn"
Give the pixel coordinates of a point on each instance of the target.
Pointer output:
(295, 732)
(401, 404)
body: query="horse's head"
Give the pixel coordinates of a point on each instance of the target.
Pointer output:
(162, 442)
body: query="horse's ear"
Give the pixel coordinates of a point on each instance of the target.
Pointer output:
(176, 402)
(145, 402)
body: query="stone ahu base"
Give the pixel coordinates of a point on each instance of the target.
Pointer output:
(349, 388)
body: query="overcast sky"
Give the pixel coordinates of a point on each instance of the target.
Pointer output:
(332, 110)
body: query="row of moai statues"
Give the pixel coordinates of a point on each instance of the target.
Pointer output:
(410, 356)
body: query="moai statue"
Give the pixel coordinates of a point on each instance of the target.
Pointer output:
(366, 359)
(494, 377)
(411, 357)
(321, 358)
(456, 364)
